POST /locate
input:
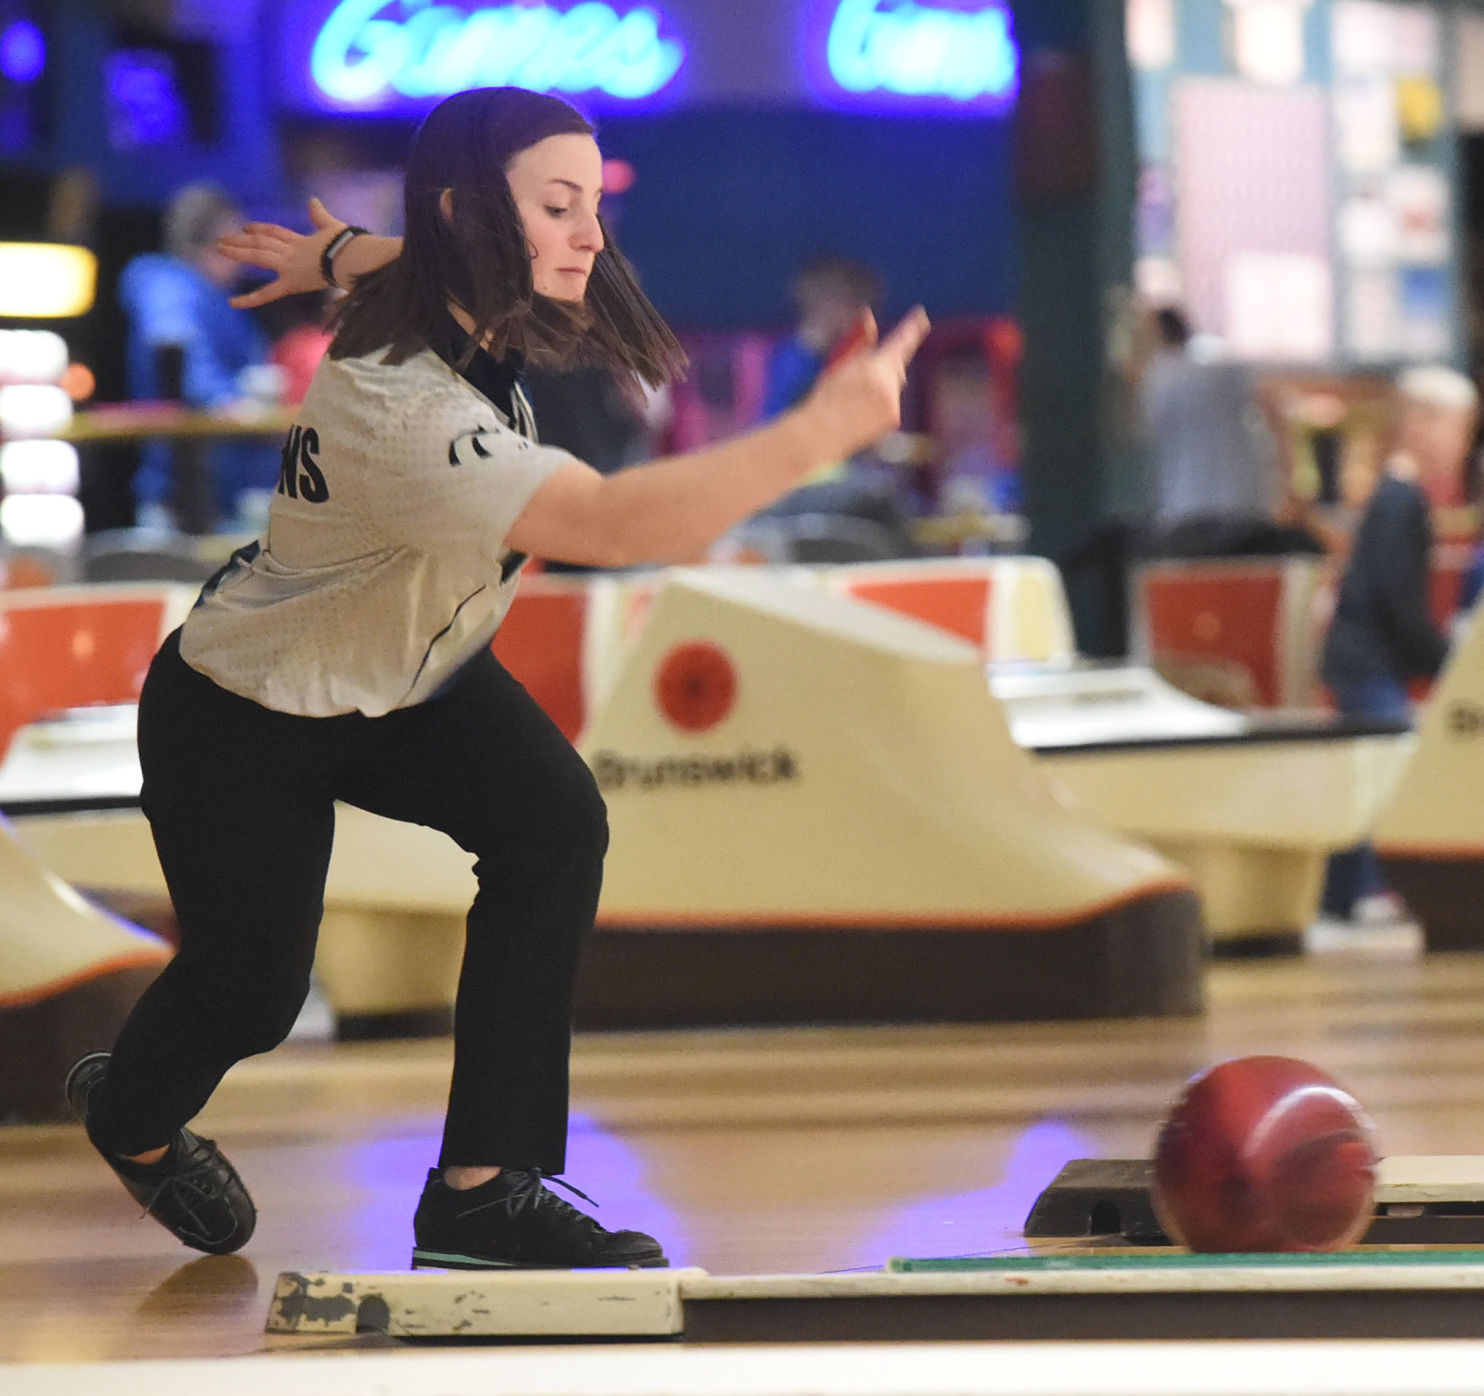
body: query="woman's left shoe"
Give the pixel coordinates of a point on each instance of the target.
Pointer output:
(514, 1222)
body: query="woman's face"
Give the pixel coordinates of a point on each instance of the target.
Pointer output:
(557, 184)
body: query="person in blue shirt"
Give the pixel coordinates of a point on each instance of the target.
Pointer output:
(830, 292)
(183, 327)
(832, 295)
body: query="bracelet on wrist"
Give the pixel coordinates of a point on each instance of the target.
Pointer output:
(332, 248)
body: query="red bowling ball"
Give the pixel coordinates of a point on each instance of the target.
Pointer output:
(1265, 1154)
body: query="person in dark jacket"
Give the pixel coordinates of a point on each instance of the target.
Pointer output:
(1383, 634)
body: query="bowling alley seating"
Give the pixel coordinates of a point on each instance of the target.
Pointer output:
(1012, 609)
(1242, 632)
(69, 974)
(1247, 632)
(1252, 817)
(541, 643)
(68, 647)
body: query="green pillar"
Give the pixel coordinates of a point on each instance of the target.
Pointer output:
(1074, 187)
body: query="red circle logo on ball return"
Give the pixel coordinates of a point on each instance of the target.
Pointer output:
(695, 685)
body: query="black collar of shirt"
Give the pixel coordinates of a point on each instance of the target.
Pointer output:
(495, 378)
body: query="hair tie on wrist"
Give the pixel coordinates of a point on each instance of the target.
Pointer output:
(327, 257)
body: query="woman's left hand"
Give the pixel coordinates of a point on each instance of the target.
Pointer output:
(292, 257)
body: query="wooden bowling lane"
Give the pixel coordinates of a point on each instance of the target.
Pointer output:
(798, 1151)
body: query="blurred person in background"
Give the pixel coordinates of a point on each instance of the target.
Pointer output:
(1382, 635)
(1215, 487)
(187, 342)
(977, 472)
(832, 294)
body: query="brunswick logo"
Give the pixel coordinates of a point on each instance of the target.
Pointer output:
(747, 767)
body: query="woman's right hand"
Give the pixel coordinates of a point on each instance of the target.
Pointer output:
(292, 257)
(858, 400)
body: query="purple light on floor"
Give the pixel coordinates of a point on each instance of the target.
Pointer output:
(22, 52)
(615, 1174)
(381, 1179)
(976, 1223)
(384, 1175)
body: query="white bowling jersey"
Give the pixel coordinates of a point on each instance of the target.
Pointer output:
(384, 568)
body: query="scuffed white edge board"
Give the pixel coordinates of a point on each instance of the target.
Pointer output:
(469, 1303)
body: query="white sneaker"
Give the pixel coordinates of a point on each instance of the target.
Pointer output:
(1380, 909)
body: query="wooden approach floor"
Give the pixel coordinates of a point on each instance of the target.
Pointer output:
(796, 1150)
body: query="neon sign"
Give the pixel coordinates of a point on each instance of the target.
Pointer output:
(371, 51)
(907, 49)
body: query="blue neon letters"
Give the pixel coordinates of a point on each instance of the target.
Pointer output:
(372, 51)
(918, 50)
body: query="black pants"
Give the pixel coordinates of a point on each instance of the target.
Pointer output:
(240, 800)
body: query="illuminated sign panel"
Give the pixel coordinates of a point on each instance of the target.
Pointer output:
(371, 54)
(882, 55)
(955, 54)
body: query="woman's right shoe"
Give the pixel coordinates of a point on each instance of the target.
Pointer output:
(514, 1222)
(193, 1192)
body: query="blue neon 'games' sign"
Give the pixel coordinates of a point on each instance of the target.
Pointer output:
(947, 53)
(945, 56)
(373, 54)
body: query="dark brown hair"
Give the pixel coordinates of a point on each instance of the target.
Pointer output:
(480, 259)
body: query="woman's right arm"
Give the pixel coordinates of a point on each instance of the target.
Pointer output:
(294, 257)
(673, 509)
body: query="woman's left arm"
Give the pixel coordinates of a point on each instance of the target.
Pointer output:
(294, 258)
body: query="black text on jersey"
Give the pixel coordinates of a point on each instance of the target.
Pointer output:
(299, 475)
